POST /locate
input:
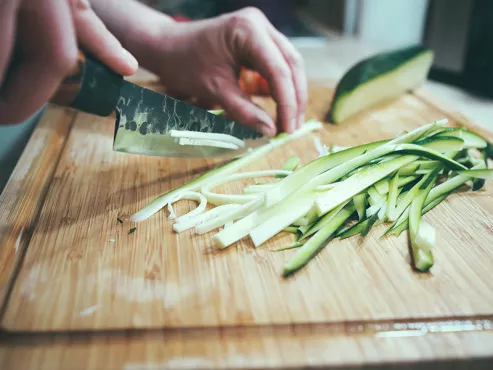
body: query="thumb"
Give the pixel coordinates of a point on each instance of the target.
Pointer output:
(93, 35)
(241, 109)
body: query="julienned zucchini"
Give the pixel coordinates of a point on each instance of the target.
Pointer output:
(337, 195)
(381, 77)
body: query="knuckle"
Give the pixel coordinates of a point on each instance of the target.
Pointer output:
(65, 60)
(246, 18)
(296, 60)
(282, 72)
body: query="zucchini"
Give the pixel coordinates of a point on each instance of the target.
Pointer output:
(317, 241)
(379, 78)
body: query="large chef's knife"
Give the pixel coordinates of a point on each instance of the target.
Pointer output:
(144, 118)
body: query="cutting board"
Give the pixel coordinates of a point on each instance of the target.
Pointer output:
(68, 265)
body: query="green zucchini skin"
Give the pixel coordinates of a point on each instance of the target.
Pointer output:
(382, 65)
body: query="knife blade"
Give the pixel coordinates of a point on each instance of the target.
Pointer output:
(145, 118)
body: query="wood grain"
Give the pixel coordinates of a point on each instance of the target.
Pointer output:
(23, 195)
(154, 299)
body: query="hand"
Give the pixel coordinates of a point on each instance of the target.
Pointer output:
(203, 59)
(38, 44)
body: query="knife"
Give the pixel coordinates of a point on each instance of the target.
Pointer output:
(147, 121)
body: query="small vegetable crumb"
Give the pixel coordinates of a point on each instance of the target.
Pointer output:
(112, 239)
(120, 220)
(132, 230)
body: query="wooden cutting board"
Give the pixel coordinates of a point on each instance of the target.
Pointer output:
(69, 267)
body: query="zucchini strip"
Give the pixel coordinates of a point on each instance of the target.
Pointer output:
(221, 199)
(189, 195)
(421, 240)
(360, 204)
(317, 241)
(226, 217)
(196, 135)
(205, 142)
(206, 216)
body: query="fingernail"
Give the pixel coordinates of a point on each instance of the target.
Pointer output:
(130, 59)
(266, 129)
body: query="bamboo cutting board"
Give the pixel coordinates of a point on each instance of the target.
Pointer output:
(83, 271)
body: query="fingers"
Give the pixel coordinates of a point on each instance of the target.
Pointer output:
(295, 62)
(47, 51)
(8, 9)
(256, 45)
(96, 39)
(240, 108)
(277, 60)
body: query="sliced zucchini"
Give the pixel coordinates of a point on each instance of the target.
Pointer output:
(379, 78)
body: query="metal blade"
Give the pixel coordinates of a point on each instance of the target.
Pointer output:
(145, 118)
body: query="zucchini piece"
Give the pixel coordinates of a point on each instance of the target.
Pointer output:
(471, 139)
(397, 230)
(421, 235)
(324, 221)
(392, 199)
(379, 78)
(318, 241)
(291, 229)
(354, 185)
(486, 174)
(357, 228)
(290, 165)
(360, 204)
(371, 221)
(383, 186)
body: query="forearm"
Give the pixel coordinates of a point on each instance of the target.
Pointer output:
(137, 26)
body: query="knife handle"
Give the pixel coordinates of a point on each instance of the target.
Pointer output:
(90, 87)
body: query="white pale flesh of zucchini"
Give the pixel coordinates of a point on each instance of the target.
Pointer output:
(382, 212)
(257, 188)
(358, 182)
(323, 188)
(389, 86)
(203, 217)
(221, 199)
(189, 195)
(228, 216)
(322, 150)
(382, 186)
(206, 142)
(229, 168)
(374, 195)
(425, 238)
(370, 211)
(225, 138)
(274, 225)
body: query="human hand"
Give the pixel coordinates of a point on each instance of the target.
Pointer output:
(203, 59)
(38, 45)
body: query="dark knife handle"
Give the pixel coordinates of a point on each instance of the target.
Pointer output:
(91, 87)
